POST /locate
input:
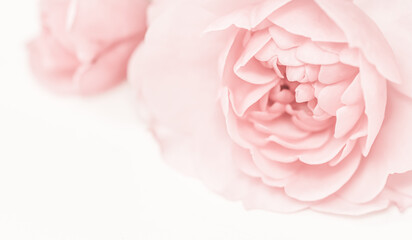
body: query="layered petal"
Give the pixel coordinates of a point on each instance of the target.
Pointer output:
(358, 29)
(313, 183)
(394, 19)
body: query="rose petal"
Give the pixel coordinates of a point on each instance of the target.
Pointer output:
(273, 169)
(388, 154)
(108, 70)
(282, 127)
(313, 183)
(401, 182)
(245, 163)
(330, 74)
(394, 19)
(248, 17)
(52, 63)
(359, 29)
(313, 141)
(332, 47)
(307, 122)
(295, 74)
(307, 19)
(61, 70)
(368, 181)
(374, 93)
(346, 119)
(329, 97)
(254, 72)
(253, 46)
(312, 72)
(350, 145)
(74, 26)
(161, 91)
(353, 94)
(285, 57)
(399, 199)
(312, 54)
(304, 93)
(242, 95)
(350, 56)
(243, 133)
(306, 73)
(284, 39)
(325, 154)
(278, 153)
(395, 132)
(278, 183)
(133, 13)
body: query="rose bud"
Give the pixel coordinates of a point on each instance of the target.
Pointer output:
(85, 45)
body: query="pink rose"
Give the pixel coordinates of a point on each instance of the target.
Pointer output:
(84, 46)
(284, 104)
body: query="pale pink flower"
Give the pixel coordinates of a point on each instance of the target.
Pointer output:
(284, 104)
(84, 46)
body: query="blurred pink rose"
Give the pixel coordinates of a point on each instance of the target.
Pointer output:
(84, 46)
(284, 104)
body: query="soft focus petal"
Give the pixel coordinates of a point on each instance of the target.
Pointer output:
(95, 38)
(53, 64)
(394, 19)
(109, 69)
(90, 15)
(165, 92)
(359, 29)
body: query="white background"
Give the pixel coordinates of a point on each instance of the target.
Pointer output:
(86, 168)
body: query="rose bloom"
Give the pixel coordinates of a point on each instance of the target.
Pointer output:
(284, 105)
(84, 46)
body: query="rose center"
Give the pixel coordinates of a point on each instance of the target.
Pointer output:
(284, 87)
(282, 93)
